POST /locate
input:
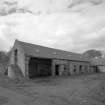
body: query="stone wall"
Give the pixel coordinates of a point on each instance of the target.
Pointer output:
(63, 66)
(71, 67)
(20, 57)
(101, 68)
(78, 67)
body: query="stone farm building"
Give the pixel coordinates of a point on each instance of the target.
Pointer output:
(35, 60)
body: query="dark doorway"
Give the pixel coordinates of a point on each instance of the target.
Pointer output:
(56, 70)
(39, 67)
(74, 68)
(33, 71)
(80, 69)
(97, 69)
(15, 56)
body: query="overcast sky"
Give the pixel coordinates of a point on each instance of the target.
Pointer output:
(73, 25)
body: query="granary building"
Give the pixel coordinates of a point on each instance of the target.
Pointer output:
(35, 60)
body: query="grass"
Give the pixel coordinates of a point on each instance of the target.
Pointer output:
(71, 90)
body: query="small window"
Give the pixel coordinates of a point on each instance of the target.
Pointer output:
(54, 53)
(65, 67)
(15, 56)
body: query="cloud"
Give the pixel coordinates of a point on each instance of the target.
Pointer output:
(99, 42)
(79, 2)
(67, 29)
(50, 6)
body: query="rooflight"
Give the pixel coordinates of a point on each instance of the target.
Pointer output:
(37, 50)
(96, 57)
(54, 53)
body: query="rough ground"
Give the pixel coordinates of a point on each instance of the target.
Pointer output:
(73, 90)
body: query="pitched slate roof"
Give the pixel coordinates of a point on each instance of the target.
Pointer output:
(46, 52)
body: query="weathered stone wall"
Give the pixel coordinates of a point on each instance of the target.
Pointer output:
(27, 59)
(75, 69)
(20, 57)
(92, 69)
(11, 72)
(71, 67)
(101, 68)
(63, 66)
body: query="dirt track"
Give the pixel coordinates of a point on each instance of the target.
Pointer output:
(75, 90)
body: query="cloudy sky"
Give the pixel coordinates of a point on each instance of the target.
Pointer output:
(72, 25)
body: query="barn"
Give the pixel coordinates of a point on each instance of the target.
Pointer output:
(35, 60)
